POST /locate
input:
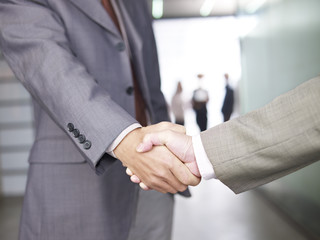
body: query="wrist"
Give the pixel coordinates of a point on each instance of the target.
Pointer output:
(129, 142)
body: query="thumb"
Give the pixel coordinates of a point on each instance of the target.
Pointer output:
(179, 144)
(152, 139)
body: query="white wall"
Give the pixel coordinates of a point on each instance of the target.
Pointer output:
(281, 52)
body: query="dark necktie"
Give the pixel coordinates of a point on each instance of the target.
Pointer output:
(140, 106)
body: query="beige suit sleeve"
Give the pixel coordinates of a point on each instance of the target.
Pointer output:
(267, 143)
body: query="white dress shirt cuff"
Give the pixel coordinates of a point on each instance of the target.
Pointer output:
(121, 136)
(205, 167)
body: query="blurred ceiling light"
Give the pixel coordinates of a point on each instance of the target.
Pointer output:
(157, 8)
(253, 6)
(207, 7)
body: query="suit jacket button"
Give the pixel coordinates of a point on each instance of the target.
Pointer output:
(130, 90)
(120, 46)
(70, 127)
(87, 145)
(82, 138)
(76, 133)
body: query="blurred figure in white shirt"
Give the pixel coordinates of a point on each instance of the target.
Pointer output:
(199, 103)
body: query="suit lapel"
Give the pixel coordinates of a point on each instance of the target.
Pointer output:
(133, 36)
(95, 11)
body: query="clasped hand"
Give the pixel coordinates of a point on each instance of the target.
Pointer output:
(159, 157)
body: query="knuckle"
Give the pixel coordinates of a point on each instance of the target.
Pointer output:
(168, 163)
(147, 137)
(153, 182)
(185, 179)
(162, 174)
(165, 125)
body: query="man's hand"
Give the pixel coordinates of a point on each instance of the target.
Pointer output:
(158, 169)
(178, 143)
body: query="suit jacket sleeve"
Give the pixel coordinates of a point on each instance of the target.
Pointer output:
(36, 47)
(268, 143)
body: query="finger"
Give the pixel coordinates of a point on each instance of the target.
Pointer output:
(157, 175)
(165, 188)
(159, 135)
(144, 187)
(160, 187)
(163, 184)
(153, 139)
(178, 185)
(135, 179)
(129, 172)
(184, 175)
(144, 147)
(172, 181)
(163, 180)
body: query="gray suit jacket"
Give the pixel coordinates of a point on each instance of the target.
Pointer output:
(71, 58)
(268, 143)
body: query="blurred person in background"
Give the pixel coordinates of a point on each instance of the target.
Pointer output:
(200, 99)
(227, 107)
(177, 105)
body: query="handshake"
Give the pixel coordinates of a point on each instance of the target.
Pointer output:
(160, 157)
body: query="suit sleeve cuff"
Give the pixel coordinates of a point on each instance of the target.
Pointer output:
(121, 136)
(205, 167)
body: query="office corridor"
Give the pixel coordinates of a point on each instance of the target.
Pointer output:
(268, 47)
(213, 213)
